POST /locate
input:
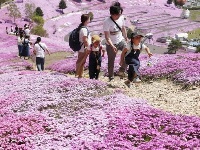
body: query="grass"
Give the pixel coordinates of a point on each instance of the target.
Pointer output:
(54, 57)
(195, 15)
(194, 34)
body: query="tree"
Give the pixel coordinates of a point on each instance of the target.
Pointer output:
(62, 5)
(29, 10)
(198, 49)
(39, 12)
(169, 2)
(174, 46)
(1, 2)
(14, 11)
(91, 16)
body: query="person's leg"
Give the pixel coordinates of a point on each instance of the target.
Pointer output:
(111, 59)
(131, 73)
(97, 73)
(38, 63)
(42, 63)
(121, 47)
(81, 63)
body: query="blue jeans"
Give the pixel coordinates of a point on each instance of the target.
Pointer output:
(40, 63)
(133, 69)
(20, 48)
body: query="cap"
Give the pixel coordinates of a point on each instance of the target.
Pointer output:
(137, 33)
(96, 38)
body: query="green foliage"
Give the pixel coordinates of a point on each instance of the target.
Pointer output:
(91, 16)
(29, 10)
(38, 19)
(14, 11)
(1, 2)
(39, 30)
(62, 5)
(198, 49)
(39, 12)
(174, 46)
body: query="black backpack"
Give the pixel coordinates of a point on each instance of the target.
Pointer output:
(74, 42)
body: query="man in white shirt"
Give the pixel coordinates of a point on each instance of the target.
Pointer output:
(116, 37)
(39, 51)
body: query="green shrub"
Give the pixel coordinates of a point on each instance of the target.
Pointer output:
(39, 30)
(198, 49)
(39, 12)
(91, 16)
(38, 20)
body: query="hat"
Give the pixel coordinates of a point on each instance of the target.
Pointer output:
(137, 33)
(96, 38)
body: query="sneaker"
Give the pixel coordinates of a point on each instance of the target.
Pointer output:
(111, 78)
(121, 74)
(128, 83)
(137, 80)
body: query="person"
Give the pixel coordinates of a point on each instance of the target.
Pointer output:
(16, 30)
(11, 29)
(116, 37)
(85, 38)
(130, 55)
(96, 53)
(27, 31)
(39, 50)
(26, 48)
(20, 41)
(6, 30)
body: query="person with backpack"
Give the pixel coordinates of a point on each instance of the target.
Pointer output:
(84, 43)
(116, 37)
(39, 50)
(26, 48)
(96, 53)
(130, 55)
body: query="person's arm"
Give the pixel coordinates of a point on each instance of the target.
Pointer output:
(107, 37)
(122, 56)
(124, 33)
(148, 51)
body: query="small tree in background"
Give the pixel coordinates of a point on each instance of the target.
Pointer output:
(1, 2)
(91, 16)
(39, 12)
(13, 11)
(174, 46)
(62, 5)
(198, 49)
(29, 10)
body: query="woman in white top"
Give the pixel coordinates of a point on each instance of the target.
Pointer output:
(20, 40)
(85, 38)
(39, 51)
(116, 37)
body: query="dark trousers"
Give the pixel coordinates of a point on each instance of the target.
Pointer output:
(111, 58)
(133, 70)
(94, 72)
(20, 48)
(40, 63)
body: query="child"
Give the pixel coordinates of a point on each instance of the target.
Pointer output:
(95, 57)
(131, 55)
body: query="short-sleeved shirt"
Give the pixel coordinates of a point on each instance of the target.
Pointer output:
(136, 46)
(84, 32)
(115, 33)
(39, 51)
(97, 49)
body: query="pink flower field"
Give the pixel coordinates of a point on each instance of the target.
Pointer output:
(53, 110)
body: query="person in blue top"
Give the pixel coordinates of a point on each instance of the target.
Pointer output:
(130, 55)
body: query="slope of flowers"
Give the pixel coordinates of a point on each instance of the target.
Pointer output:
(50, 110)
(182, 68)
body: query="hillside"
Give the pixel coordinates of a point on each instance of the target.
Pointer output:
(54, 110)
